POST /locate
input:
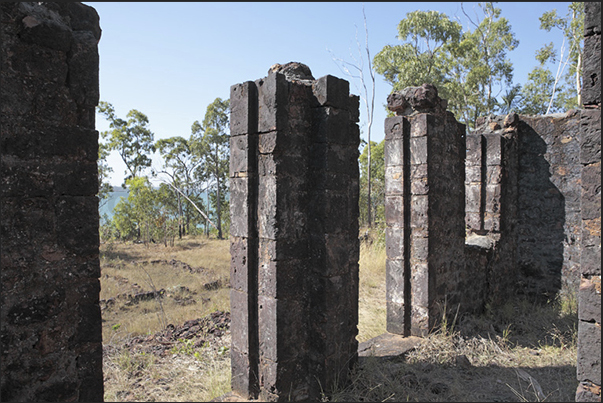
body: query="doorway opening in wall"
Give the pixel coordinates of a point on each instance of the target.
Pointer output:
(371, 303)
(371, 293)
(165, 307)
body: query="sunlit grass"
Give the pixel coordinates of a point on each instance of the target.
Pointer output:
(127, 269)
(371, 304)
(538, 339)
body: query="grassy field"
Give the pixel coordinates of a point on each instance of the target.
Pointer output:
(165, 311)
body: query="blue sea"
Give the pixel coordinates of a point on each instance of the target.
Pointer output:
(114, 197)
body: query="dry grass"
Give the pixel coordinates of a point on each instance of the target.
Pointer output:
(180, 377)
(188, 374)
(126, 270)
(518, 352)
(371, 306)
(522, 351)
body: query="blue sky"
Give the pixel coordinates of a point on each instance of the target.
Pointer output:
(170, 60)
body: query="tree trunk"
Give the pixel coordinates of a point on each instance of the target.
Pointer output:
(578, 75)
(207, 220)
(369, 204)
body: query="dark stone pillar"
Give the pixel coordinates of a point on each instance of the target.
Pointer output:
(294, 214)
(50, 317)
(425, 209)
(589, 293)
(491, 187)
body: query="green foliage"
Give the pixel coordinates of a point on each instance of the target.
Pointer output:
(107, 230)
(146, 214)
(483, 69)
(468, 68)
(187, 347)
(430, 39)
(131, 138)
(510, 100)
(104, 187)
(377, 183)
(537, 91)
(212, 147)
(181, 159)
(195, 166)
(546, 92)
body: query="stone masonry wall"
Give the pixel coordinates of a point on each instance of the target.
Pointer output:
(589, 294)
(523, 184)
(491, 171)
(425, 210)
(294, 234)
(50, 317)
(549, 204)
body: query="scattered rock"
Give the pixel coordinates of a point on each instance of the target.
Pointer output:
(293, 71)
(438, 388)
(202, 330)
(214, 285)
(463, 362)
(412, 100)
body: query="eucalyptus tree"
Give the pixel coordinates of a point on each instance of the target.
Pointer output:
(469, 67)
(104, 170)
(430, 40)
(132, 139)
(560, 90)
(486, 69)
(180, 163)
(212, 145)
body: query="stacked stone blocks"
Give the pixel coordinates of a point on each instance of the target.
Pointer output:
(294, 209)
(425, 199)
(491, 171)
(491, 158)
(589, 293)
(50, 317)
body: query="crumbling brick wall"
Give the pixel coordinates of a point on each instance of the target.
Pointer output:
(50, 317)
(294, 234)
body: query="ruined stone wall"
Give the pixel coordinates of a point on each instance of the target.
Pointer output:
(425, 210)
(491, 171)
(523, 194)
(549, 204)
(50, 318)
(294, 234)
(589, 294)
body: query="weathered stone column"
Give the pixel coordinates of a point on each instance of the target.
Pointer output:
(491, 189)
(491, 174)
(294, 214)
(425, 209)
(50, 317)
(589, 293)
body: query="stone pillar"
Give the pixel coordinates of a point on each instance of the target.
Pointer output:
(589, 293)
(50, 316)
(491, 188)
(491, 171)
(294, 234)
(425, 209)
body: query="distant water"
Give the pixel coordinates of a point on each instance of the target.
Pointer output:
(114, 197)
